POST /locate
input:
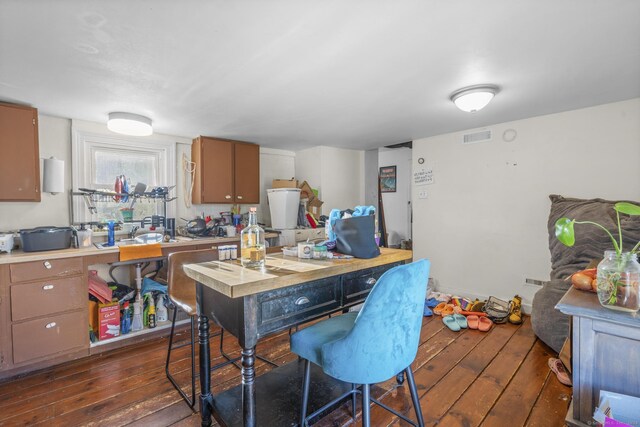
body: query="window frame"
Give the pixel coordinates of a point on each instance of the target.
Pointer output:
(86, 137)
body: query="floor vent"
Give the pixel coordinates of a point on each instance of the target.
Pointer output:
(473, 138)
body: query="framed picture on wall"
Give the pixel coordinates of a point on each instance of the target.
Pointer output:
(388, 179)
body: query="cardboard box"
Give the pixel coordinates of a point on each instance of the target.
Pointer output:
(93, 316)
(108, 320)
(306, 192)
(284, 183)
(315, 207)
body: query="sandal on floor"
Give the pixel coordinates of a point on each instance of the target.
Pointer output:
(472, 321)
(431, 302)
(461, 320)
(427, 311)
(484, 324)
(476, 306)
(557, 367)
(451, 323)
(438, 308)
(447, 310)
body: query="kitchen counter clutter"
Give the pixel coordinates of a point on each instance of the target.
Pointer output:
(44, 316)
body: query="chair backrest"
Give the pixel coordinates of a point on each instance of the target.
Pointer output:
(180, 287)
(385, 337)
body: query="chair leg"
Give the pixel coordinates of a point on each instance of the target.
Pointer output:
(191, 402)
(414, 396)
(353, 401)
(306, 379)
(366, 422)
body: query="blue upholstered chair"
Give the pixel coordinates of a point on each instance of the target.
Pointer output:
(373, 345)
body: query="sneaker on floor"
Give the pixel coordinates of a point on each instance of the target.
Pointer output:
(558, 368)
(515, 316)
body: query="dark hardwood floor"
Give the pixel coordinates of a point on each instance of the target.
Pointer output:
(467, 378)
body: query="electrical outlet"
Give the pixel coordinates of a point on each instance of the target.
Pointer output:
(534, 282)
(422, 194)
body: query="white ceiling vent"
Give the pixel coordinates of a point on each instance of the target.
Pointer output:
(475, 137)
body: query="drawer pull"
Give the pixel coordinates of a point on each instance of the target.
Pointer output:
(302, 301)
(50, 325)
(227, 196)
(240, 197)
(371, 281)
(47, 287)
(47, 265)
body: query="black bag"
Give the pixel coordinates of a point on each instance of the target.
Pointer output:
(356, 236)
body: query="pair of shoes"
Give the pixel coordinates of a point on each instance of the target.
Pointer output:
(443, 309)
(515, 316)
(481, 323)
(557, 367)
(455, 322)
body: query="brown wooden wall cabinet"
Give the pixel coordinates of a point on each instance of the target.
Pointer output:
(20, 159)
(226, 171)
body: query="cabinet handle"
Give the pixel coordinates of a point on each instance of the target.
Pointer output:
(50, 325)
(302, 301)
(240, 197)
(227, 196)
(47, 287)
(371, 281)
(47, 265)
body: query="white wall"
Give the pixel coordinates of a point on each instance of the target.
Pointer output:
(54, 136)
(396, 205)
(274, 164)
(484, 221)
(337, 173)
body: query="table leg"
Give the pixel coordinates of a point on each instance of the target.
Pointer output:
(248, 387)
(206, 399)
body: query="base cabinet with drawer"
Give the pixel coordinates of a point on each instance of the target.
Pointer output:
(43, 314)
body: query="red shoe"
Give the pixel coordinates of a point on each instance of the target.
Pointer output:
(558, 368)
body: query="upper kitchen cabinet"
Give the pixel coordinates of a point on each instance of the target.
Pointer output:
(226, 171)
(19, 162)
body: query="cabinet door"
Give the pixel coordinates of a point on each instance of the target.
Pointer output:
(19, 162)
(246, 173)
(217, 172)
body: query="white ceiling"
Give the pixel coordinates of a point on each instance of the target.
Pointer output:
(297, 73)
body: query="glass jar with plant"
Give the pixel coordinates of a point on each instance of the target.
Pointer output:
(618, 274)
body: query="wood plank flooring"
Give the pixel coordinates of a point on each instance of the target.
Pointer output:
(466, 378)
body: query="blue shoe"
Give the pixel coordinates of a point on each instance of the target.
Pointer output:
(427, 311)
(432, 302)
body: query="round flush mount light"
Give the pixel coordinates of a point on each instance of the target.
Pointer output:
(129, 124)
(474, 98)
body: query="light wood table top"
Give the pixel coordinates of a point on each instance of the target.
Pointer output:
(231, 279)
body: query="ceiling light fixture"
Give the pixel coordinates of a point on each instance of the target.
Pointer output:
(129, 124)
(474, 98)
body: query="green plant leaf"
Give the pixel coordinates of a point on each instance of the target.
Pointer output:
(564, 231)
(627, 208)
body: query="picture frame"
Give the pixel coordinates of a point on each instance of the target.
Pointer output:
(388, 179)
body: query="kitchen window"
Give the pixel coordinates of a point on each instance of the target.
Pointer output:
(100, 156)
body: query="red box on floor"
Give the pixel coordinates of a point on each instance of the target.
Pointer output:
(109, 320)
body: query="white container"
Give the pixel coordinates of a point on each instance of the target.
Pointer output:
(6, 242)
(305, 250)
(231, 230)
(84, 238)
(283, 204)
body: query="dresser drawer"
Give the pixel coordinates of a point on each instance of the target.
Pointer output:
(356, 286)
(51, 268)
(289, 306)
(48, 336)
(47, 297)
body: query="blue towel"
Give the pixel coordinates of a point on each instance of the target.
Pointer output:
(150, 285)
(335, 214)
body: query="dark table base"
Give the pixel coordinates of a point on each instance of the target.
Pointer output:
(278, 396)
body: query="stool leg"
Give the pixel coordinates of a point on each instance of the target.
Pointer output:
(366, 422)
(414, 396)
(305, 392)
(191, 402)
(353, 401)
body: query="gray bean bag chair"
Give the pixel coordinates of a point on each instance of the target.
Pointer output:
(549, 324)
